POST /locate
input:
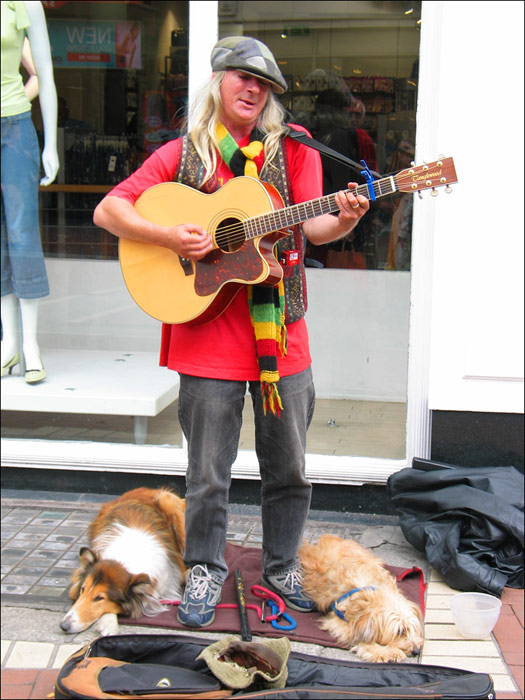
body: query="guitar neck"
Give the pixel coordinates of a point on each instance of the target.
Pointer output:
(298, 213)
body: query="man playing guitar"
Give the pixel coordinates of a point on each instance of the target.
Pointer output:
(237, 128)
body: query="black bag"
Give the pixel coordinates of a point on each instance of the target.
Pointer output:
(468, 520)
(166, 666)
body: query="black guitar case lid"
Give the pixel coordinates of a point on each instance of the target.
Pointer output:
(166, 666)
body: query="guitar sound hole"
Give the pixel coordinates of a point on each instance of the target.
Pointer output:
(229, 235)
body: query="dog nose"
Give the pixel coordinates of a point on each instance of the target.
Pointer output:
(64, 626)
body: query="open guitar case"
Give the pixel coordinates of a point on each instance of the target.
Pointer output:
(166, 666)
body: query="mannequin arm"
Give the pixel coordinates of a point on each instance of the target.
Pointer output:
(31, 86)
(39, 40)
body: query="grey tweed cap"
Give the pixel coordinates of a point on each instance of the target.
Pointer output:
(249, 55)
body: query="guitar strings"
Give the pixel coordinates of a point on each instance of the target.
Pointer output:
(236, 233)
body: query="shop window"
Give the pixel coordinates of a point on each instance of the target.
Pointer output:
(121, 71)
(352, 72)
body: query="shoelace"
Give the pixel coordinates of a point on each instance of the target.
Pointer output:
(200, 582)
(293, 579)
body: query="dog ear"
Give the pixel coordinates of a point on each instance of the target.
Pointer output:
(138, 592)
(87, 557)
(139, 584)
(76, 584)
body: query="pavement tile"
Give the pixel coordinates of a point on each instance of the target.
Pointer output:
(512, 595)
(438, 616)
(15, 552)
(44, 684)
(437, 602)
(476, 665)
(444, 632)
(509, 634)
(518, 672)
(64, 651)
(29, 655)
(6, 643)
(14, 589)
(48, 591)
(514, 658)
(18, 684)
(504, 684)
(440, 588)
(460, 647)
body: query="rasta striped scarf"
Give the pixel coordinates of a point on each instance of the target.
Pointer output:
(266, 304)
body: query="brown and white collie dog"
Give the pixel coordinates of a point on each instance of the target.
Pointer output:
(133, 561)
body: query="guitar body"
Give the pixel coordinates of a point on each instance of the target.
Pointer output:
(176, 290)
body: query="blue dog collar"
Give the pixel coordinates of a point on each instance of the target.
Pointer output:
(347, 595)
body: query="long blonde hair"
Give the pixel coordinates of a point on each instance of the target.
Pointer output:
(204, 116)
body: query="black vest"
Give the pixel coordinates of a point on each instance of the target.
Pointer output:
(191, 172)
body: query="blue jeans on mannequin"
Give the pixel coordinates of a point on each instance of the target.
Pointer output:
(210, 413)
(23, 267)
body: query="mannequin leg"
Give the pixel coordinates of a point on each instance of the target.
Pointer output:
(29, 312)
(9, 331)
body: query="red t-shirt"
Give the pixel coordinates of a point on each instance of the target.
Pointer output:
(225, 347)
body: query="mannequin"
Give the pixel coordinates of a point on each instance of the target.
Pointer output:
(31, 85)
(26, 19)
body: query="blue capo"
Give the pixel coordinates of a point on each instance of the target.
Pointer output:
(369, 180)
(275, 610)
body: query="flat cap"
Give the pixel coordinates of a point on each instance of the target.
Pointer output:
(249, 55)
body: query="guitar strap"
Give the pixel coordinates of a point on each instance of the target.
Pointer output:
(303, 138)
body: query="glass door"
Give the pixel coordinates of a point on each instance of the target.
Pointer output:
(352, 72)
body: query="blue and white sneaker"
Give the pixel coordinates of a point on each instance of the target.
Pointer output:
(201, 595)
(289, 586)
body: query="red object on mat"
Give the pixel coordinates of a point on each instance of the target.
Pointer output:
(248, 560)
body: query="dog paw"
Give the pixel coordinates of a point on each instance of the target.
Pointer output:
(108, 624)
(378, 653)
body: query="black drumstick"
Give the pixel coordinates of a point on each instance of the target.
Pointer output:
(246, 635)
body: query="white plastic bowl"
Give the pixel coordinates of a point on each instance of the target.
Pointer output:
(475, 614)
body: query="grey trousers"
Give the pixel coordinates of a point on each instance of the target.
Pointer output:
(210, 413)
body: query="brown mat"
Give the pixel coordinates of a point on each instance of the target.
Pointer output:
(248, 560)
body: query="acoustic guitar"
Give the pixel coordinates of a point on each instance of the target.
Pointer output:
(246, 218)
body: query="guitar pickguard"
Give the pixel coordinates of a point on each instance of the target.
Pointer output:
(217, 268)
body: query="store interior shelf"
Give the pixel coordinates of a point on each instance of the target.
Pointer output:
(88, 189)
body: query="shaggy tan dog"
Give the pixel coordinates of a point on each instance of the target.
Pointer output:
(366, 611)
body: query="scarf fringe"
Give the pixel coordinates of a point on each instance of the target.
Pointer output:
(271, 399)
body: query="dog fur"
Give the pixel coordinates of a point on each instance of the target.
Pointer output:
(380, 625)
(133, 561)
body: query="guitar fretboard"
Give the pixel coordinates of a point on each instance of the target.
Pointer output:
(297, 213)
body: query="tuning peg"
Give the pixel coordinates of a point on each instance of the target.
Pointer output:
(441, 156)
(420, 194)
(448, 189)
(434, 192)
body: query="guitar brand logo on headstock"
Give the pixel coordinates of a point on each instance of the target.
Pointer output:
(426, 175)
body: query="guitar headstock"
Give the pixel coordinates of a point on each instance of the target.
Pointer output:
(440, 173)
